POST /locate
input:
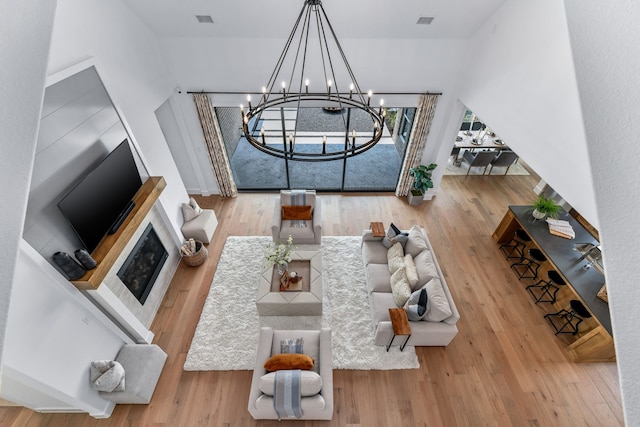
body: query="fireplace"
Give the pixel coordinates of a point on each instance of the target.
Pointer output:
(142, 266)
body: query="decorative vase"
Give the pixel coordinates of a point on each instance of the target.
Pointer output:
(85, 259)
(69, 267)
(282, 268)
(537, 214)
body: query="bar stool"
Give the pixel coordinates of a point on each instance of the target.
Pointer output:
(547, 288)
(517, 244)
(529, 265)
(578, 311)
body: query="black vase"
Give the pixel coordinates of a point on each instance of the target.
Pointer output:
(85, 259)
(70, 268)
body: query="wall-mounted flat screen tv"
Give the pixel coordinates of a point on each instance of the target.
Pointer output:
(100, 202)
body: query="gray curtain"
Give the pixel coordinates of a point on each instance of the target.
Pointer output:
(215, 145)
(419, 133)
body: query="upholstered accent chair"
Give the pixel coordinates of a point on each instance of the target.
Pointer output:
(297, 213)
(317, 344)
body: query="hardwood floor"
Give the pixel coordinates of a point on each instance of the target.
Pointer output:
(505, 366)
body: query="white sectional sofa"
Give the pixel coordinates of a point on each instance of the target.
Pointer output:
(378, 277)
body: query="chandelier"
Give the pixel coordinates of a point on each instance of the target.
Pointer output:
(310, 51)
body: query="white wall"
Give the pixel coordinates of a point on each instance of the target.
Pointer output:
(607, 57)
(22, 78)
(134, 74)
(520, 80)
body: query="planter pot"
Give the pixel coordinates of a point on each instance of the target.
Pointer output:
(415, 200)
(537, 214)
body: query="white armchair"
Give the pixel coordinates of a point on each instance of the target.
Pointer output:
(317, 344)
(295, 222)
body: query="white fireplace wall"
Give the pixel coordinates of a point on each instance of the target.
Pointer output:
(147, 311)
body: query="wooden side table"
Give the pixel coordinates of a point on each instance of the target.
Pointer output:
(400, 324)
(377, 229)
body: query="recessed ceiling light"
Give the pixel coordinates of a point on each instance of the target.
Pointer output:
(204, 19)
(425, 20)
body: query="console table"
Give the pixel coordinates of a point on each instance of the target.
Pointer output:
(594, 343)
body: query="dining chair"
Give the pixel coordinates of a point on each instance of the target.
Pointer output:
(478, 159)
(505, 158)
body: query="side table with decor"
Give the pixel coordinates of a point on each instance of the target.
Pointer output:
(193, 252)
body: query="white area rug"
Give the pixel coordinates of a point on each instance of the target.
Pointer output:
(226, 337)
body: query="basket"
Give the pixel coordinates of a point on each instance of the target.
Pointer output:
(198, 257)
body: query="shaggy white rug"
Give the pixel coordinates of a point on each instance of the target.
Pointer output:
(226, 337)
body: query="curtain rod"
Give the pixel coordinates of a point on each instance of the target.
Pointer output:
(375, 93)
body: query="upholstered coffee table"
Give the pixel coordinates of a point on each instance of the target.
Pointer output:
(307, 302)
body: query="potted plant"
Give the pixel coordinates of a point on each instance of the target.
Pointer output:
(422, 182)
(279, 255)
(544, 207)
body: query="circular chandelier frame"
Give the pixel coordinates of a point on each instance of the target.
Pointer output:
(354, 143)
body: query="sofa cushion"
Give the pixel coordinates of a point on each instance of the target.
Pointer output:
(411, 270)
(438, 305)
(400, 287)
(293, 228)
(415, 308)
(107, 375)
(311, 343)
(378, 278)
(297, 197)
(373, 252)
(426, 267)
(310, 383)
(416, 242)
(292, 345)
(279, 362)
(393, 236)
(395, 258)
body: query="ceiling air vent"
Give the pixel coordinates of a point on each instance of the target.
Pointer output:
(204, 19)
(425, 20)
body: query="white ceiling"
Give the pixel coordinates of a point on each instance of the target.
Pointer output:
(387, 19)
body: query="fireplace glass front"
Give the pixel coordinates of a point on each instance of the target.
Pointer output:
(143, 264)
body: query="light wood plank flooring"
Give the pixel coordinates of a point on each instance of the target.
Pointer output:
(504, 368)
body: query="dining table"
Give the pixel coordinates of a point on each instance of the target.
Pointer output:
(465, 141)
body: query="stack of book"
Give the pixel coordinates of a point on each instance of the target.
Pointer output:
(561, 228)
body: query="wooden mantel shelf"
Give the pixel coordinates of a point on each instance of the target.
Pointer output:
(112, 245)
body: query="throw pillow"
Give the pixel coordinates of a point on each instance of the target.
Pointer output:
(293, 345)
(297, 213)
(416, 242)
(288, 361)
(310, 383)
(400, 288)
(416, 305)
(393, 236)
(195, 206)
(438, 308)
(412, 271)
(188, 213)
(106, 375)
(395, 258)
(426, 267)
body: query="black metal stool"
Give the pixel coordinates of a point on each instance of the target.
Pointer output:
(578, 311)
(516, 245)
(547, 289)
(527, 267)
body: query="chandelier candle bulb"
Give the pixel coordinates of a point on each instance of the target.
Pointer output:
(381, 104)
(264, 93)
(370, 93)
(306, 85)
(291, 143)
(242, 112)
(324, 144)
(249, 101)
(375, 129)
(329, 86)
(353, 137)
(351, 91)
(262, 135)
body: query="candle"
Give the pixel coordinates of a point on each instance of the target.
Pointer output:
(353, 138)
(306, 84)
(249, 101)
(324, 144)
(375, 129)
(291, 143)
(262, 135)
(264, 93)
(381, 104)
(351, 87)
(284, 89)
(370, 93)
(242, 111)
(329, 86)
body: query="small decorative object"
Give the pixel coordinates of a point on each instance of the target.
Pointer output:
(193, 252)
(544, 207)
(279, 255)
(422, 182)
(70, 268)
(85, 259)
(602, 293)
